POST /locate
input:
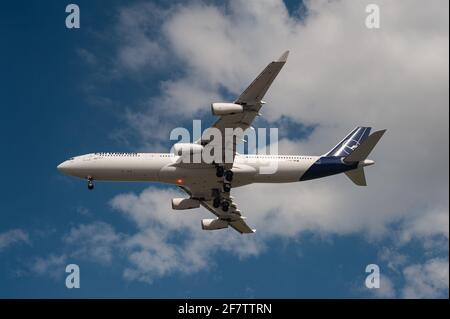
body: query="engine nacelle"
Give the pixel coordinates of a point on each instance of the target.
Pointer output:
(187, 149)
(184, 203)
(226, 108)
(213, 224)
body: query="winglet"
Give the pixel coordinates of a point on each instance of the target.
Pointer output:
(283, 57)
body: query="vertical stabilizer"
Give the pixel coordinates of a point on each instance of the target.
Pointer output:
(350, 142)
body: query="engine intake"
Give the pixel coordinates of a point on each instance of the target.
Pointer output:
(184, 203)
(226, 108)
(213, 224)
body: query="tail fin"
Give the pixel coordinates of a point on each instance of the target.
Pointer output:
(359, 155)
(350, 142)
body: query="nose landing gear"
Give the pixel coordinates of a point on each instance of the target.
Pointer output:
(90, 183)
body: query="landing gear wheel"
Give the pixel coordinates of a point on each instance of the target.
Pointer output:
(90, 184)
(225, 206)
(226, 187)
(219, 171)
(228, 176)
(216, 202)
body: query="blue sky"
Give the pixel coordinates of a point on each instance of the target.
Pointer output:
(69, 92)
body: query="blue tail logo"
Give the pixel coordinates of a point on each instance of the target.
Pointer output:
(350, 142)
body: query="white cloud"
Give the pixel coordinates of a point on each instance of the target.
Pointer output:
(386, 290)
(339, 74)
(155, 249)
(87, 56)
(427, 224)
(94, 241)
(138, 50)
(394, 260)
(12, 237)
(52, 266)
(428, 280)
(84, 211)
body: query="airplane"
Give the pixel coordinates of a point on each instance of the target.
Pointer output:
(209, 184)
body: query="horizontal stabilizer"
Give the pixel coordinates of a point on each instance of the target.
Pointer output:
(357, 176)
(364, 149)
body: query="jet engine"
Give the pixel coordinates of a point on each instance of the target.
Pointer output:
(213, 224)
(226, 108)
(187, 149)
(184, 203)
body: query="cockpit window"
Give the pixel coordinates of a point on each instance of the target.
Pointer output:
(71, 159)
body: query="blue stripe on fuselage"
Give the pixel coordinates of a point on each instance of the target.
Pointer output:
(326, 166)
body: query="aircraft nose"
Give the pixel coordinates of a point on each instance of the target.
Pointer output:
(63, 167)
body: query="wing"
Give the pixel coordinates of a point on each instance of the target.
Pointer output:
(232, 217)
(256, 91)
(251, 100)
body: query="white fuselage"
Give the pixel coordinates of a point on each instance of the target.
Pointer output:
(162, 167)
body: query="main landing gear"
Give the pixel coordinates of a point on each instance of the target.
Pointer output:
(226, 174)
(218, 201)
(90, 183)
(224, 204)
(220, 171)
(227, 177)
(226, 187)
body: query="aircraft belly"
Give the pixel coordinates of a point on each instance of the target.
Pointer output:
(285, 172)
(177, 175)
